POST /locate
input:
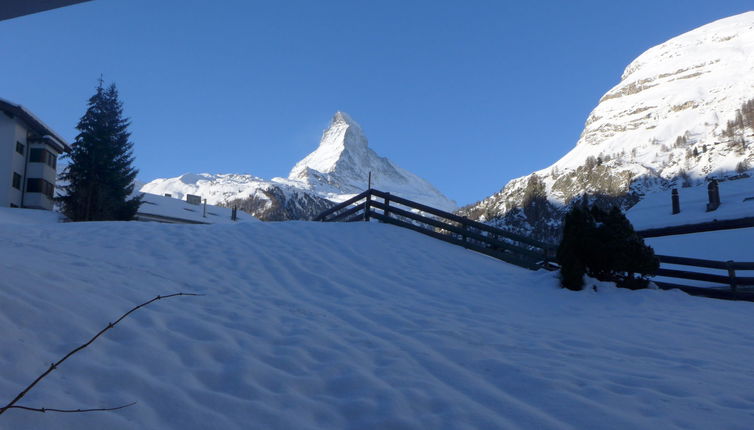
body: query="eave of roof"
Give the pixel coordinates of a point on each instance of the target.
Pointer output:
(34, 122)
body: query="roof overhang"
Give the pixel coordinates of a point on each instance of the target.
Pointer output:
(15, 8)
(44, 132)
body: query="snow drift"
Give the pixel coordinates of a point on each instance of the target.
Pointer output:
(346, 326)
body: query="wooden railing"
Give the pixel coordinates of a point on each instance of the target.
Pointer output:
(726, 224)
(495, 242)
(728, 286)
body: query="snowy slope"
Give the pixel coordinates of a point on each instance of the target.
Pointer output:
(662, 125)
(162, 206)
(335, 171)
(349, 326)
(29, 216)
(655, 209)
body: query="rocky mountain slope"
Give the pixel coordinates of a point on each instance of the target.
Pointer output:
(340, 167)
(335, 171)
(680, 115)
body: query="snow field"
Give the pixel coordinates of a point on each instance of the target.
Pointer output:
(349, 326)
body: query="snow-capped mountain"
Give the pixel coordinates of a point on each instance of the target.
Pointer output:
(677, 117)
(336, 170)
(267, 200)
(340, 167)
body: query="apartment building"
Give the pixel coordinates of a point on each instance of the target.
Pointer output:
(29, 152)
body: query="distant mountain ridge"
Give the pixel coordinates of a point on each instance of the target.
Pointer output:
(338, 169)
(674, 119)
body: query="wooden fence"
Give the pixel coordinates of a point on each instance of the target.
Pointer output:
(728, 286)
(727, 224)
(521, 250)
(495, 242)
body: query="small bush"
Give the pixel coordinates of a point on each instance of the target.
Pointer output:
(604, 246)
(743, 166)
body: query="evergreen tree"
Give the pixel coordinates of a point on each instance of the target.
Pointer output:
(604, 246)
(100, 177)
(572, 252)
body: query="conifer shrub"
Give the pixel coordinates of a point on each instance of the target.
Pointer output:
(603, 245)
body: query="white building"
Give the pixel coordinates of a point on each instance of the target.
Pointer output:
(29, 152)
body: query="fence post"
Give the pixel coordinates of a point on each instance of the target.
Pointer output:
(713, 192)
(676, 201)
(387, 205)
(367, 204)
(731, 275)
(465, 228)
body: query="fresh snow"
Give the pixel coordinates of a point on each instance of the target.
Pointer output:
(655, 209)
(724, 245)
(29, 216)
(349, 326)
(163, 206)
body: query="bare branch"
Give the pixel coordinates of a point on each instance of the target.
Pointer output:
(43, 410)
(55, 365)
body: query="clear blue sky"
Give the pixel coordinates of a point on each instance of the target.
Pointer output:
(467, 94)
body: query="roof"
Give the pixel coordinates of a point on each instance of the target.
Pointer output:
(16, 8)
(169, 209)
(35, 123)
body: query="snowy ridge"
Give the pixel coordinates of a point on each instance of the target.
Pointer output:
(301, 327)
(663, 125)
(335, 171)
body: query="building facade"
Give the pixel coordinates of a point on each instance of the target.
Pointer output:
(29, 152)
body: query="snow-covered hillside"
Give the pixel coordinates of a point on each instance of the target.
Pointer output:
(348, 326)
(335, 171)
(664, 124)
(655, 209)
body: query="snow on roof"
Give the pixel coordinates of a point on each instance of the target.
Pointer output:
(35, 122)
(168, 207)
(655, 209)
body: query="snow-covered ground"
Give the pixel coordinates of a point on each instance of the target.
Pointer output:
(28, 216)
(349, 326)
(655, 209)
(725, 245)
(157, 207)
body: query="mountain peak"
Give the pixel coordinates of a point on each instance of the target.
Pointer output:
(342, 164)
(341, 117)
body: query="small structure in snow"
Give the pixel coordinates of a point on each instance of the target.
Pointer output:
(156, 208)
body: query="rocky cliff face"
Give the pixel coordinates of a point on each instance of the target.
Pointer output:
(338, 169)
(678, 116)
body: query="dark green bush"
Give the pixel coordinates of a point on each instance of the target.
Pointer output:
(604, 246)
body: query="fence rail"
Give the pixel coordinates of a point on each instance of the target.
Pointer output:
(498, 243)
(728, 224)
(730, 286)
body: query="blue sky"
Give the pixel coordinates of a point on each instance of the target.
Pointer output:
(465, 94)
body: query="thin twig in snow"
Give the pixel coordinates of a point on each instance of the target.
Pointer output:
(55, 365)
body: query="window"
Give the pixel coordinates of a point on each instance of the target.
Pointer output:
(16, 181)
(20, 148)
(39, 185)
(37, 155)
(41, 155)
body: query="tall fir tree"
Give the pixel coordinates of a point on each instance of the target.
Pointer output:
(100, 176)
